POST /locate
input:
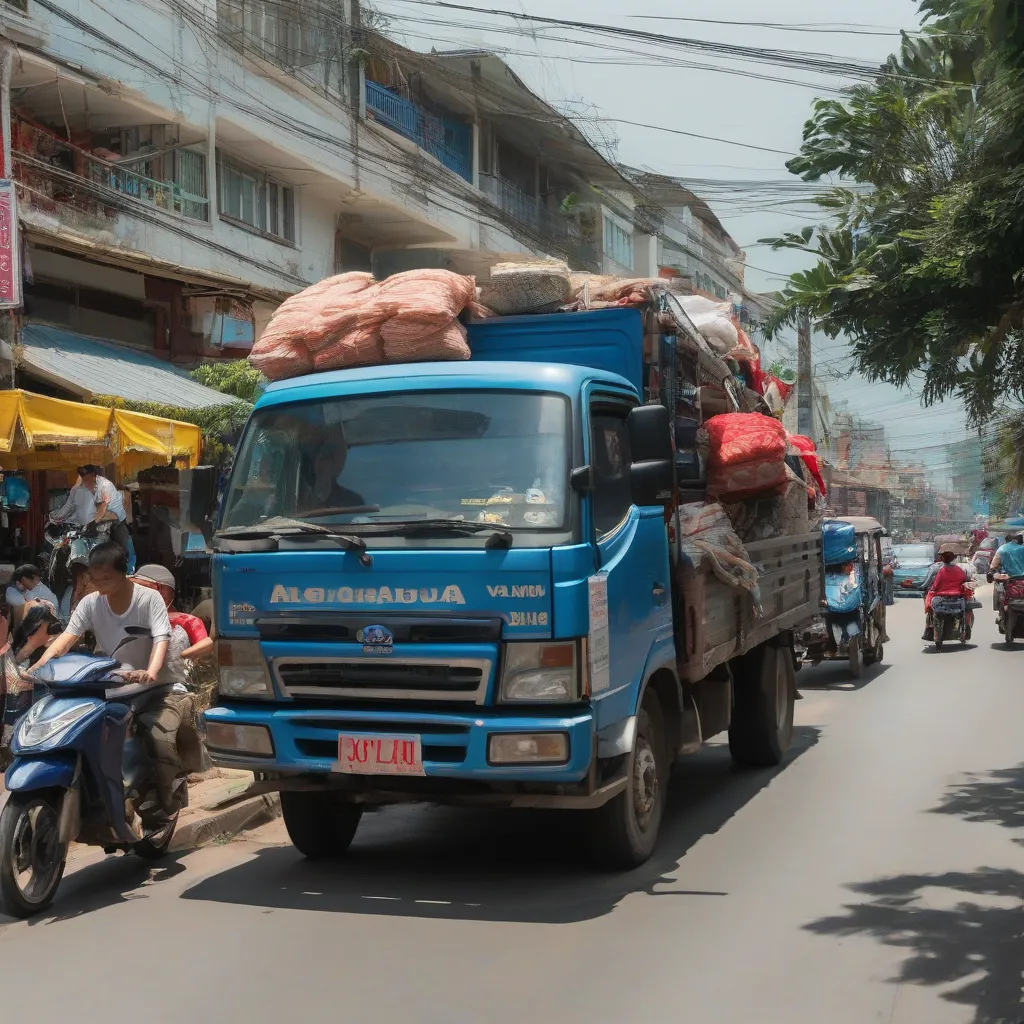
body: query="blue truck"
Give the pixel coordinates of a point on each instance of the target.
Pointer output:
(456, 583)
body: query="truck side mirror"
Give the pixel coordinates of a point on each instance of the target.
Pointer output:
(650, 433)
(581, 480)
(650, 475)
(199, 498)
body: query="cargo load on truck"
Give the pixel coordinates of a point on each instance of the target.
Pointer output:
(531, 579)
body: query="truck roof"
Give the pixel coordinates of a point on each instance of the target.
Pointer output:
(558, 377)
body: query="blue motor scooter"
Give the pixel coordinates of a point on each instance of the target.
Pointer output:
(80, 775)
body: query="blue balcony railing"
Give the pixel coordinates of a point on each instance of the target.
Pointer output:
(447, 140)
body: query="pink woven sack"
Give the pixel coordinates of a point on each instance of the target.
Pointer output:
(284, 358)
(359, 347)
(448, 343)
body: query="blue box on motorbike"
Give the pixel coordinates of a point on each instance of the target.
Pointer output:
(838, 542)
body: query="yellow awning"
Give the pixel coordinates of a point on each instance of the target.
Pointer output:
(38, 432)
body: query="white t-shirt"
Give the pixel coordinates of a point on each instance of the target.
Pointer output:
(40, 592)
(106, 491)
(146, 610)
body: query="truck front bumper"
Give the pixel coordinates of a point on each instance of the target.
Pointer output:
(455, 744)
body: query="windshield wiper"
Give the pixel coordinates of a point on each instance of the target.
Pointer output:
(340, 510)
(499, 538)
(282, 526)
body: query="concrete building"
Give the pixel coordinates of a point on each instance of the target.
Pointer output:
(967, 473)
(181, 170)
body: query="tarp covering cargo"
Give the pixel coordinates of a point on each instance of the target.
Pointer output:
(839, 542)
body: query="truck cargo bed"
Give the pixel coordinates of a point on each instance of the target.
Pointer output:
(721, 622)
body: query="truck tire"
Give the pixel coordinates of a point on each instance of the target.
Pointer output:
(764, 690)
(320, 824)
(623, 833)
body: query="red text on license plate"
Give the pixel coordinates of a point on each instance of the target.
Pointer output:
(368, 754)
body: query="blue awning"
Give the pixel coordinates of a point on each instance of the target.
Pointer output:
(90, 367)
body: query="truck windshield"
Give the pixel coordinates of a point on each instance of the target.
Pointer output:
(472, 456)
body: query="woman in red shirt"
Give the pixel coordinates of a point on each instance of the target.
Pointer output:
(948, 580)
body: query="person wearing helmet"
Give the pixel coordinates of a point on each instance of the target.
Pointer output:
(189, 639)
(945, 579)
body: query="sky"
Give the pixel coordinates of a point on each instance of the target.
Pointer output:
(571, 70)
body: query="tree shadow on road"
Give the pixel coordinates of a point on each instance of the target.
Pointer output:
(526, 866)
(995, 798)
(963, 929)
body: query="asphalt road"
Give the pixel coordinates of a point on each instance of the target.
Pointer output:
(879, 876)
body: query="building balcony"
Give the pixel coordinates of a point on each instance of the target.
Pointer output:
(448, 141)
(55, 176)
(557, 233)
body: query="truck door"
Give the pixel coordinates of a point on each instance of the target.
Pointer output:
(632, 548)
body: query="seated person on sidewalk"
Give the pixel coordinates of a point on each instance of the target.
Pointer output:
(118, 604)
(27, 585)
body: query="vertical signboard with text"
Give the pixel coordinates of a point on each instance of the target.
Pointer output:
(10, 247)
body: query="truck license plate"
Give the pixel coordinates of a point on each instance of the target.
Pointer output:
(366, 754)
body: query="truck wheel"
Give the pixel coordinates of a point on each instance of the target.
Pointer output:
(320, 824)
(764, 689)
(624, 831)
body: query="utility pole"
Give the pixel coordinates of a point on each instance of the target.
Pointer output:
(804, 380)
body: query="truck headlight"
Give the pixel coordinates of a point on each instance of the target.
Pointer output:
(242, 670)
(239, 739)
(48, 719)
(540, 672)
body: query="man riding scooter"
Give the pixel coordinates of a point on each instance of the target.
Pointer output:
(118, 607)
(945, 580)
(1007, 572)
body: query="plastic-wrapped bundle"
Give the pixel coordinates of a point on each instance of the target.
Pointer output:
(705, 530)
(839, 542)
(746, 455)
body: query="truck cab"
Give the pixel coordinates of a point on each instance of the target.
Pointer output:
(451, 582)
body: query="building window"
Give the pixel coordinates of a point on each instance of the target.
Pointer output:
(618, 243)
(286, 32)
(248, 196)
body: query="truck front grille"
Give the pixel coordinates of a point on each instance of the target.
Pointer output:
(377, 679)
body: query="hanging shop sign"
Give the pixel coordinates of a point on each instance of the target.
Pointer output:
(10, 247)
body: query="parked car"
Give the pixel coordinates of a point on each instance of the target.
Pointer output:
(913, 563)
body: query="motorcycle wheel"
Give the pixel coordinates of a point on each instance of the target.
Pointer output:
(855, 660)
(1011, 627)
(155, 845)
(32, 857)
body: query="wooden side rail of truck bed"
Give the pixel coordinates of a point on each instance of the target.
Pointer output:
(721, 622)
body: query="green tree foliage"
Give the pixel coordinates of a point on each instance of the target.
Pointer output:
(238, 381)
(921, 261)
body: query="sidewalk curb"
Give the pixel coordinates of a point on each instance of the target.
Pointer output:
(216, 823)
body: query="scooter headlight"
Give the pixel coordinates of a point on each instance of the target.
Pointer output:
(49, 719)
